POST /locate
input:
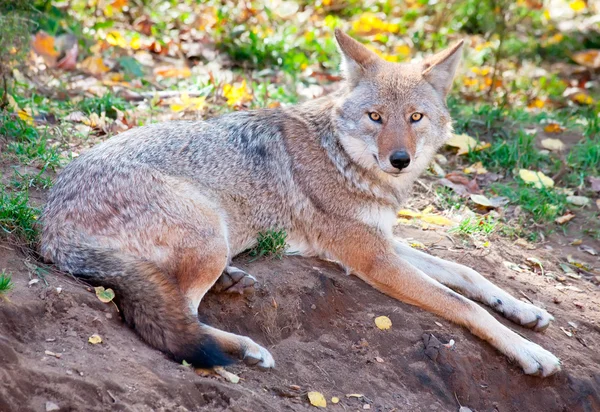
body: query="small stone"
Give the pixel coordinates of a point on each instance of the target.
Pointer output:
(556, 300)
(313, 306)
(69, 372)
(295, 387)
(108, 316)
(366, 406)
(51, 406)
(378, 359)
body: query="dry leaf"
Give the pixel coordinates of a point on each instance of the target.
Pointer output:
(95, 339)
(69, 62)
(538, 179)
(231, 377)
(466, 144)
(569, 287)
(565, 218)
(236, 95)
(568, 333)
(354, 395)
(523, 243)
(588, 58)
(553, 128)
(189, 103)
(317, 399)
(56, 355)
(408, 213)
(335, 400)
(43, 44)
(383, 322)
(512, 266)
(171, 72)
(476, 168)
(554, 145)
(588, 249)
(94, 66)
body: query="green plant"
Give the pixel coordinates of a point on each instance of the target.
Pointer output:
(544, 204)
(5, 282)
(107, 103)
(270, 243)
(16, 216)
(476, 225)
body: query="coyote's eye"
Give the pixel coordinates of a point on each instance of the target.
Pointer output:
(376, 117)
(415, 117)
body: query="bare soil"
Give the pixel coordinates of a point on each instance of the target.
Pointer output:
(319, 325)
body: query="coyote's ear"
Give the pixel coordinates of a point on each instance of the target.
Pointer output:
(440, 68)
(356, 58)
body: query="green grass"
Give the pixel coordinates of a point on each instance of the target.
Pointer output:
(477, 225)
(6, 283)
(108, 103)
(271, 243)
(17, 218)
(447, 199)
(544, 205)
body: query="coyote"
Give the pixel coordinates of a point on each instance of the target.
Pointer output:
(158, 212)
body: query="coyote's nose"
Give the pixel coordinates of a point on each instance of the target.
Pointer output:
(400, 159)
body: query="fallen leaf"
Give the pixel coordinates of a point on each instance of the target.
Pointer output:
(582, 98)
(189, 103)
(43, 44)
(476, 168)
(578, 200)
(94, 65)
(512, 266)
(231, 377)
(481, 200)
(335, 400)
(95, 339)
(114, 38)
(554, 145)
(51, 407)
(580, 305)
(172, 72)
(437, 220)
(378, 359)
(383, 322)
(466, 144)
(464, 409)
(553, 128)
(69, 62)
(236, 95)
(588, 58)
(317, 399)
(104, 295)
(577, 5)
(408, 213)
(523, 243)
(588, 249)
(565, 218)
(576, 242)
(354, 395)
(415, 244)
(538, 179)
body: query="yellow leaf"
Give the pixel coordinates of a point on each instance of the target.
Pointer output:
(24, 115)
(415, 244)
(236, 95)
(466, 143)
(582, 98)
(114, 38)
(577, 5)
(383, 322)
(95, 339)
(335, 400)
(554, 145)
(135, 43)
(104, 295)
(476, 168)
(94, 65)
(538, 179)
(553, 128)
(537, 104)
(317, 399)
(189, 103)
(408, 213)
(437, 220)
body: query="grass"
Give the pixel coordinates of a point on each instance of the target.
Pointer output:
(271, 243)
(107, 104)
(17, 218)
(6, 283)
(544, 205)
(476, 226)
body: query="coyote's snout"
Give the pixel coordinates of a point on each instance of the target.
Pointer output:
(158, 212)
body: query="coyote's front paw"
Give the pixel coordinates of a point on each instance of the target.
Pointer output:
(535, 360)
(256, 355)
(524, 314)
(234, 280)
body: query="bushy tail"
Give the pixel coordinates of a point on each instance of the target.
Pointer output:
(150, 302)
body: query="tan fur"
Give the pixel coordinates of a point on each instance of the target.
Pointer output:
(173, 203)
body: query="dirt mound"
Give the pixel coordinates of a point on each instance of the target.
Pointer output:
(318, 324)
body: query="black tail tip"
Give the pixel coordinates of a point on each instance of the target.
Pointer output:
(206, 355)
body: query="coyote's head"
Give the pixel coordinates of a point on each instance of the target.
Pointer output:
(394, 116)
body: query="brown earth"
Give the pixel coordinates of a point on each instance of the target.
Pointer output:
(318, 324)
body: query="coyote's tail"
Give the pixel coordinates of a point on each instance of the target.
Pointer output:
(150, 302)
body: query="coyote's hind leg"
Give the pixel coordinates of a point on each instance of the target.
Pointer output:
(473, 285)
